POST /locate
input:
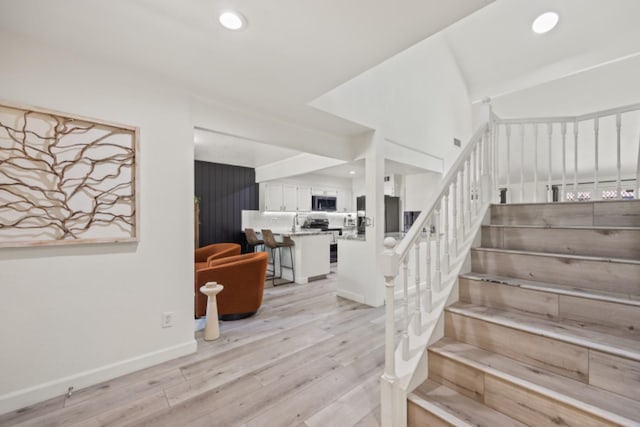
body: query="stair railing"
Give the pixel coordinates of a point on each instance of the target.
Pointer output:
(438, 243)
(495, 157)
(579, 162)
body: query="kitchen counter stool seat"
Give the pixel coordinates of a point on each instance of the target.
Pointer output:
(273, 244)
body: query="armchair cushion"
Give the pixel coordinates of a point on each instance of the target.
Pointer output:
(215, 251)
(243, 278)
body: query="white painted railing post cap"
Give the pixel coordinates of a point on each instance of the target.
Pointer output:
(390, 259)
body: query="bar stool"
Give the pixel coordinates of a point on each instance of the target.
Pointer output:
(252, 239)
(273, 244)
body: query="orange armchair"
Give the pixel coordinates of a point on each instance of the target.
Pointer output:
(243, 278)
(216, 251)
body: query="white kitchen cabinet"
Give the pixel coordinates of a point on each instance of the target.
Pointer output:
(344, 202)
(286, 197)
(289, 197)
(273, 197)
(304, 199)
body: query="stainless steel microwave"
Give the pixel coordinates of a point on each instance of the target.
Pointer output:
(324, 203)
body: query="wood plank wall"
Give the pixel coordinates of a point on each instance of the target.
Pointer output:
(224, 191)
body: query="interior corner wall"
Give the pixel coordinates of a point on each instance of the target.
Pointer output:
(418, 99)
(72, 316)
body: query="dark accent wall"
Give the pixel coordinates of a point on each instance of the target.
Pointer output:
(224, 191)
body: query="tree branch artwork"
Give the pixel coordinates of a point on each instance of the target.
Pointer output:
(65, 179)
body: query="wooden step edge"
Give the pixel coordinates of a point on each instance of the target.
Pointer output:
(464, 411)
(590, 202)
(558, 255)
(566, 227)
(437, 411)
(555, 288)
(537, 388)
(568, 337)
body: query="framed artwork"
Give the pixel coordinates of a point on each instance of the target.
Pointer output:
(66, 179)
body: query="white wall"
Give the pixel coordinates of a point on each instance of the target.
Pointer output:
(418, 188)
(76, 315)
(417, 98)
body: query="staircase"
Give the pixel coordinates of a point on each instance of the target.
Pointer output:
(546, 330)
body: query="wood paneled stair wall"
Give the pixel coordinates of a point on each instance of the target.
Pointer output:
(546, 331)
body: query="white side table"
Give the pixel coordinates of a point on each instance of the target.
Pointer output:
(211, 329)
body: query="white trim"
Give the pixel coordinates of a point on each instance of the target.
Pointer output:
(350, 295)
(31, 395)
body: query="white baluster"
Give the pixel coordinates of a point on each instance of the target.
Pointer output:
(463, 225)
(508, 130)
(472, 189)
(468, 195)
(596, 129)
(535, 162)
(445, 231)
(496, 158)
(563, 130)
(479, 157)
(389, 331)
(549, 189)
(417, 317)
(454, 216)
(427, 270)
(405, 308)
(522, 163)
(575, 160)
(618, 129)
(437, 280)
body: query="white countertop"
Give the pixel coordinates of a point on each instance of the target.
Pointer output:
(285, 232)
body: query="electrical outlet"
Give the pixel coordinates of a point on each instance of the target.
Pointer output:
(167, 319)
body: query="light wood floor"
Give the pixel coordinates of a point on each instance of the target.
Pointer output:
(308, 358)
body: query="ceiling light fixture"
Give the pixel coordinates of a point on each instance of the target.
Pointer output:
(352, 172)
(232, 20)
(545, 22)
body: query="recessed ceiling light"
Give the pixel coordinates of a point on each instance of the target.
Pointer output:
(352, 172)
(545, 22)
(232, 20)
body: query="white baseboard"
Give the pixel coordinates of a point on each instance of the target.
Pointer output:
(350, 295)
(31, 395)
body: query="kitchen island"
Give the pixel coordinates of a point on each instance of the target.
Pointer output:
(310, 254)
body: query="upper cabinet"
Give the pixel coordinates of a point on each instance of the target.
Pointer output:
(304, 199)
(344, 202)
(286, 197)
(273, 197)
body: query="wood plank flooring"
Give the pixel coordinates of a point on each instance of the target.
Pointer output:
(307, 359)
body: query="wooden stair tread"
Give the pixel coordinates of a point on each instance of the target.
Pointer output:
(533, 285)
(558, 255)
(587, 398)
(590, 202)
(603, 338)
(457, 409)
(565, 227)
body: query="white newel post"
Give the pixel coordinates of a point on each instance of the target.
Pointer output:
(393, 402)
(212, 329)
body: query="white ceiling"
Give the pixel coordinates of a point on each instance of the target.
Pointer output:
(499, 54)
(291, 52)
(390, 168)
(214, 147)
